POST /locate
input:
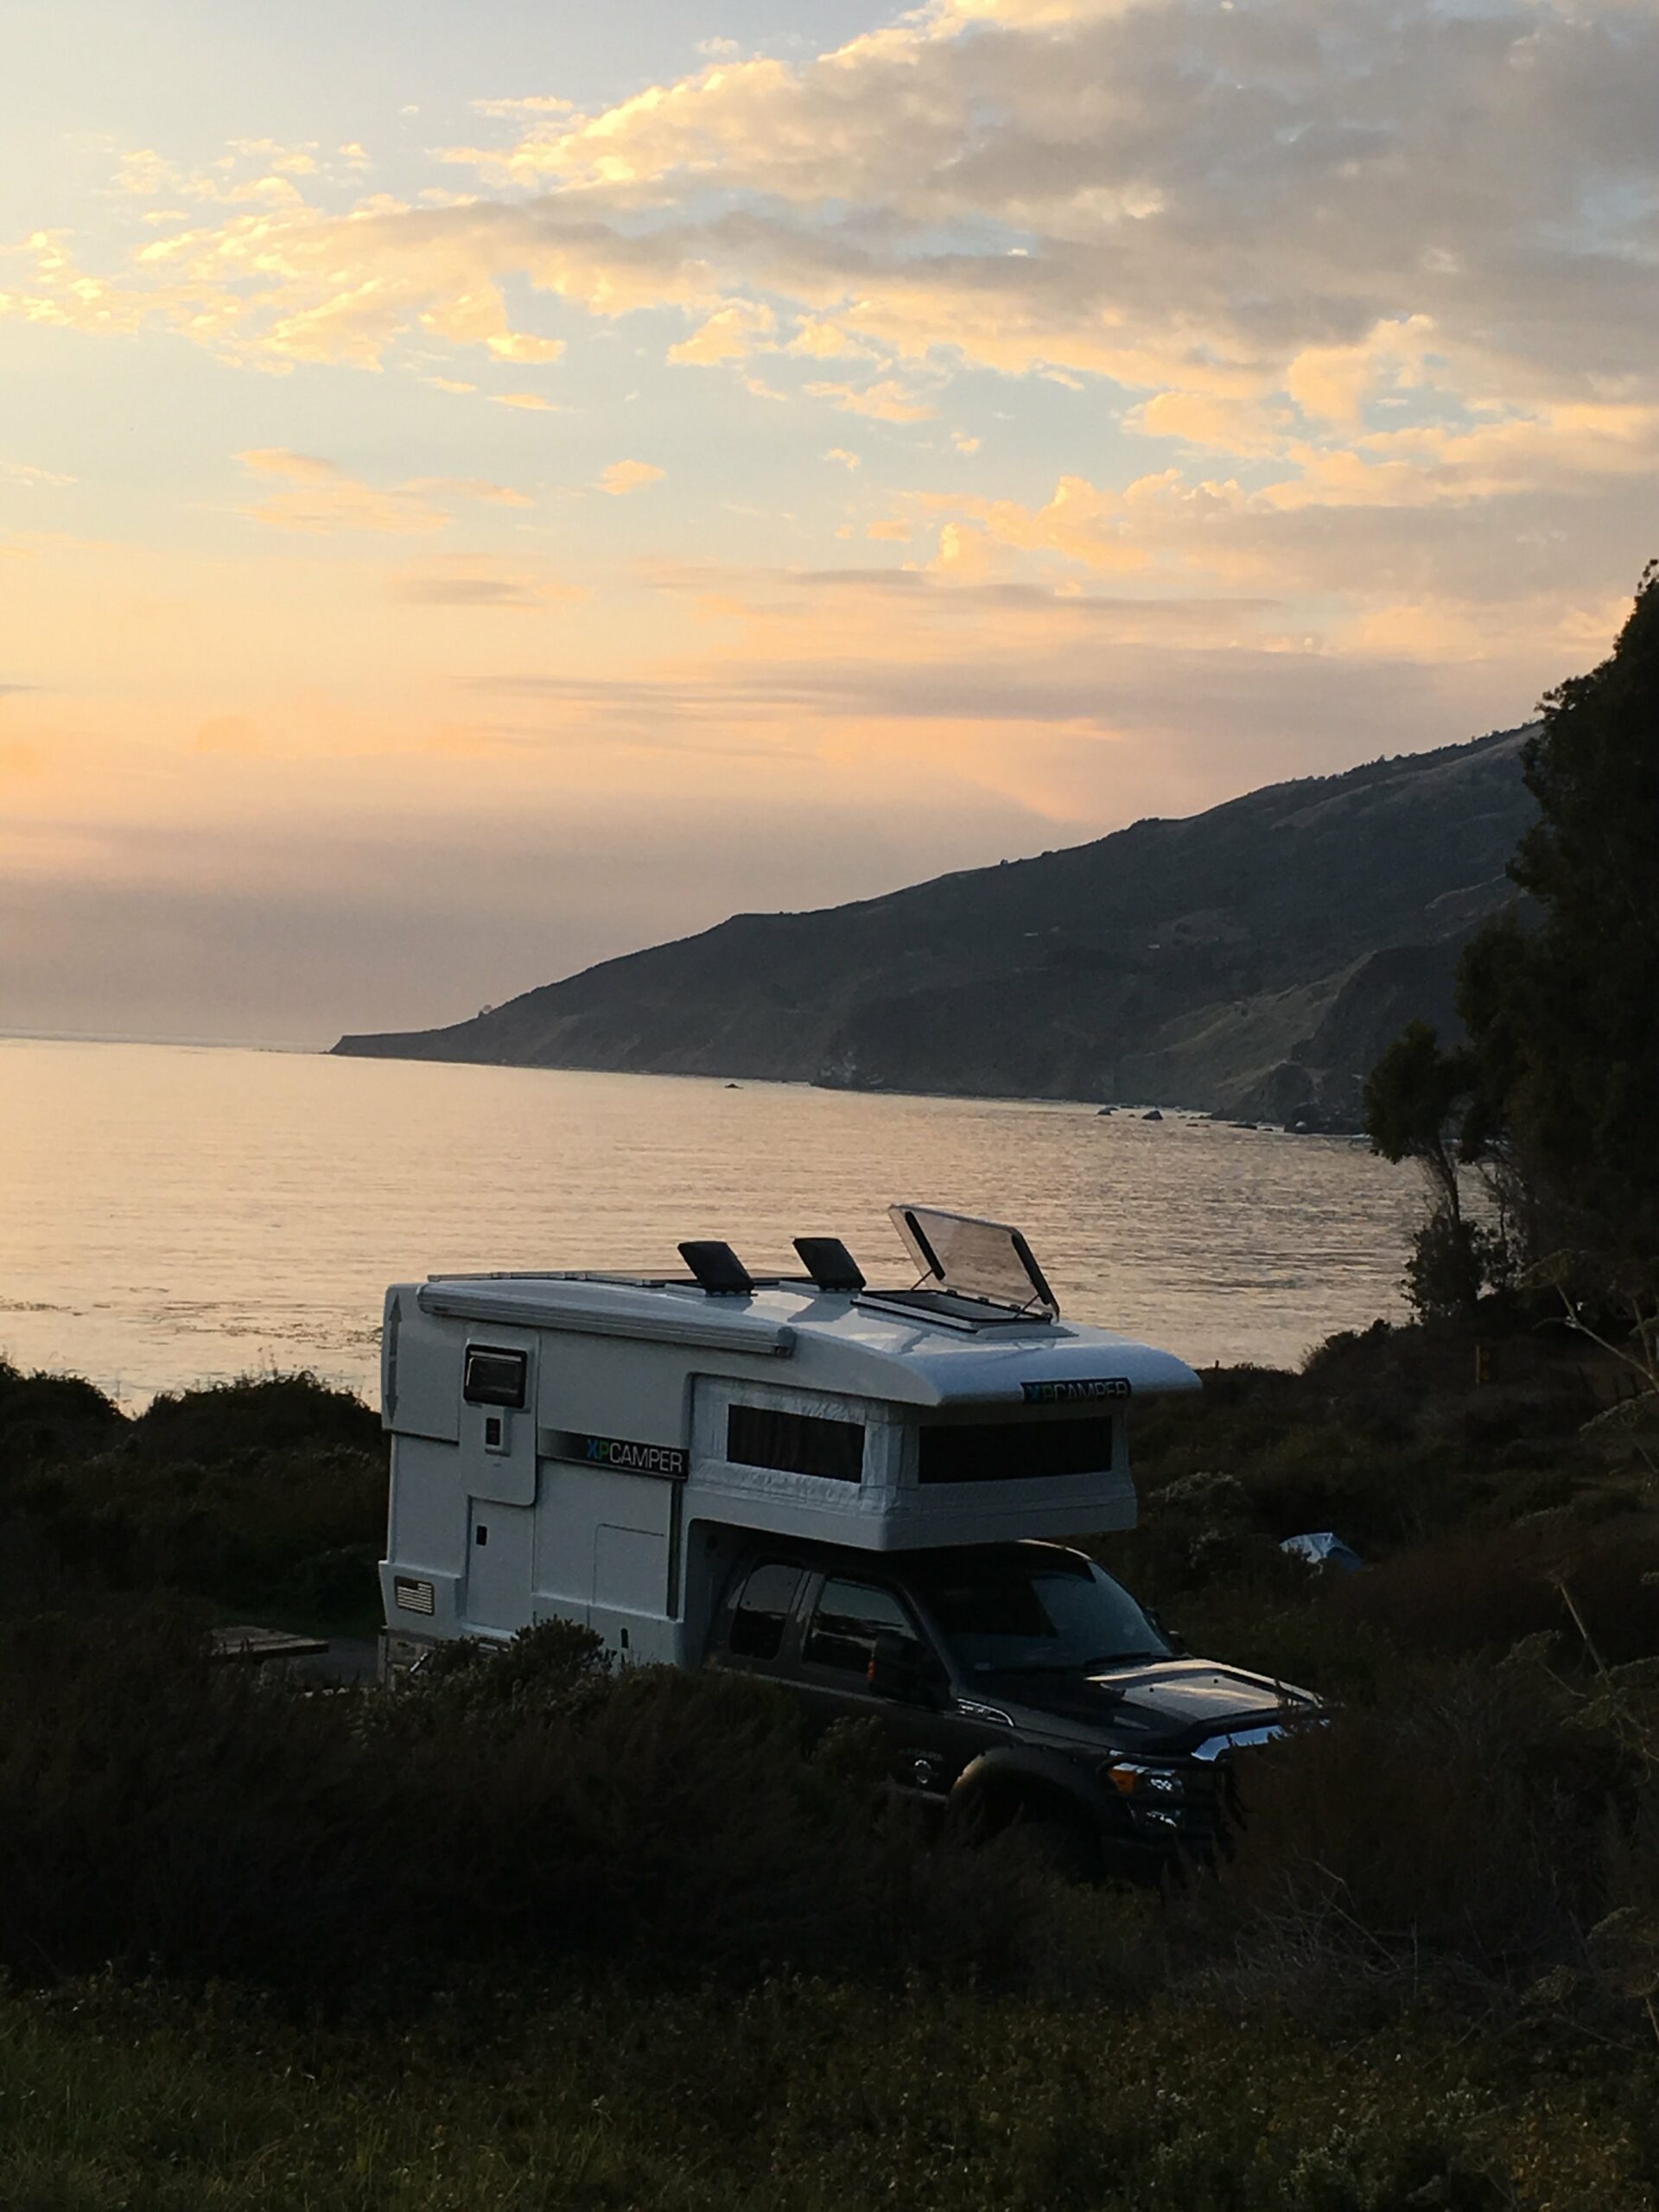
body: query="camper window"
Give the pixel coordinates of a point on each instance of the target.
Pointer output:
(763, 1610)
(494, 1377)
(796, 1444)
(1013, 1451)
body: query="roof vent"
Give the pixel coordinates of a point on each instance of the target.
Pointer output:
(829, 1262)
(718, 1268)
(972, 1259)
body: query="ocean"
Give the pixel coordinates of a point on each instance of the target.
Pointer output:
(173, 1215)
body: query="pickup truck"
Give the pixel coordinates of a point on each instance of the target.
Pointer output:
(1016, 1684)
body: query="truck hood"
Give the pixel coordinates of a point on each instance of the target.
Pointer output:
(1167, 1707)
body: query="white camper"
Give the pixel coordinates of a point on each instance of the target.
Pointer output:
(598, 1447)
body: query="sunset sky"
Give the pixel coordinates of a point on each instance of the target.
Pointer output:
(485, 487)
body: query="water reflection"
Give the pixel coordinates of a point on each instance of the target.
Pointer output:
(175, 1214)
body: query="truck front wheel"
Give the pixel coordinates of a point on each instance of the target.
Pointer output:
(1044, 1831)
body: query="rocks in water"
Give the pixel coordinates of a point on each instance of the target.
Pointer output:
(1300, 1099)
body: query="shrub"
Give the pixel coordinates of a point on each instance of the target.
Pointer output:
(1457, 1827)
(157, 1809)
(266, 1413)
(1485, 1592)
(268, 1494)
(297, 1528)
(46, 1417)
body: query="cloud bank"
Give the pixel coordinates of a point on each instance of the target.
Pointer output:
(1110, 404)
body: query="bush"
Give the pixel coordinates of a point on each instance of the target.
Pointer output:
(263, 1414)
(158, 1810)
(1458, 1828)
(1487, 1593)
(267, 1495)
(46, 1417)
(297, 1530)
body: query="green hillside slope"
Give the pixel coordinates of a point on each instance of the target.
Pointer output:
(1251, 959)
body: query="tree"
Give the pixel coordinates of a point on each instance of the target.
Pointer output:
(1413, 1099)
(1564, 1017)
(1419, 1105)
(1558, 1090)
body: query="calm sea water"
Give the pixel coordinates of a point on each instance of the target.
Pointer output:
(171, 1215)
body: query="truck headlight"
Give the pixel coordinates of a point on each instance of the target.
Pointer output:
(1144, 1784)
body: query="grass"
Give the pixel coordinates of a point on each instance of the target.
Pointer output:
(821, 2098)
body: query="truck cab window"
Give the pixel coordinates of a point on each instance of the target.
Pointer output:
(1033, 1610)
(762, 1613)
(847, 1620)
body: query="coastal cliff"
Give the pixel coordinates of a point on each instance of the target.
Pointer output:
(1251, 960)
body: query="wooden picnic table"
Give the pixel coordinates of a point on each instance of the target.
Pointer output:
(254, 1646)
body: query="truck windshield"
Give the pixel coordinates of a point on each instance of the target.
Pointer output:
(1014, 1614)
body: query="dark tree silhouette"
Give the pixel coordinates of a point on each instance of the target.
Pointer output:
(1558, 1090)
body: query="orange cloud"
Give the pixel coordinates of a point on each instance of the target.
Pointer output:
(523, 347)
(25, 472)
(475, 580)
(325, 501)
(624, 476)
(471, 487)
(887, 401)
(728, 335)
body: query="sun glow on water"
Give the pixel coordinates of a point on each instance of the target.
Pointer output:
(178, 1216)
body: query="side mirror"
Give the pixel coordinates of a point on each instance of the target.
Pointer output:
(905, 1670)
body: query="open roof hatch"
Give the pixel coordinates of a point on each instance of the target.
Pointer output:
(717, 1268)
(968, 1258)
(829, 1262)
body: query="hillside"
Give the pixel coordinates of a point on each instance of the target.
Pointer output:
(1249, 960)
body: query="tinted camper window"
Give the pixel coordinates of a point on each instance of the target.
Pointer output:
(1013, 1451)
(798, 1444)
(493, 1377)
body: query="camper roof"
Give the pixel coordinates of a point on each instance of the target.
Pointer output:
(981, 1326)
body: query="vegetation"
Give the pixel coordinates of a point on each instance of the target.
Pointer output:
(1554, 1096)
(533, 1934)
(829, 2098)
(266, 1496)
(1562, 1016)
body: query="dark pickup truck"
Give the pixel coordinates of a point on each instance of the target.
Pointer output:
(1017, 1683)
